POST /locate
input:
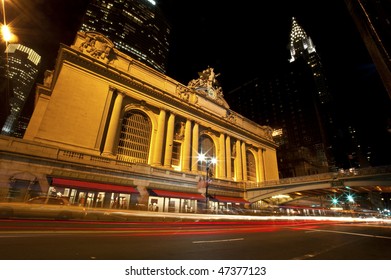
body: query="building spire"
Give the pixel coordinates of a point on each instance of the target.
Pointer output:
(299, 41)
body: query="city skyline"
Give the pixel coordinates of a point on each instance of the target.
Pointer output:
(54, 22)
(222, 35)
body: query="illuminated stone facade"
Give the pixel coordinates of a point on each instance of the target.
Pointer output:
(104, 118)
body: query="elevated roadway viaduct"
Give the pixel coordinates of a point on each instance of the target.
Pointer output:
(358, 181)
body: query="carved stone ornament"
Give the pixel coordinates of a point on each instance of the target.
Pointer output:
(268, 131)
(207, 84)
(97, 46)
(180, 131)
(231, 117)
(48, 78)
(183, 93)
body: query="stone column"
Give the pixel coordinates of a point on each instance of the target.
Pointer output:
(194, 148)
(228, 157)
(261, 166)
(221, 157)
(169, 140)
(157, 155)
(108, 149)
(186, 147)
(244, 161)
(238, 162)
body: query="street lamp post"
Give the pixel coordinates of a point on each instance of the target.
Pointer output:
(209, 174)
(207, 184)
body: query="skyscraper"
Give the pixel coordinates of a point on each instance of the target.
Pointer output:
(21, 65)
(136, 27)
(296, 103)
(302, 48)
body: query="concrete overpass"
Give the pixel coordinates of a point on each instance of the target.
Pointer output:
(365, 180)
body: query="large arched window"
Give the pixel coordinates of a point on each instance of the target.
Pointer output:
(251, 167)
(135, 137)
(206, 147)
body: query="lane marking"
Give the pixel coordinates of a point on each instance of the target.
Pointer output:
(218, 240)
(346, 232)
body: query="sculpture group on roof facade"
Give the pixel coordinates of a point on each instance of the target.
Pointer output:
(206, 81)
(97, 46)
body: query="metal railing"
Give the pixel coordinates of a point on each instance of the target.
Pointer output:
(362, 172)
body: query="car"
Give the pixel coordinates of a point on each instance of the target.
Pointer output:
(42, 207)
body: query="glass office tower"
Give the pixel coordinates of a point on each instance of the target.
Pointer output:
(21, 66)
(136, 27)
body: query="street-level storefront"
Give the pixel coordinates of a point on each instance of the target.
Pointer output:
(182, 202)
(226, 204)
(103, 195)
(97, 195)
(171, 201)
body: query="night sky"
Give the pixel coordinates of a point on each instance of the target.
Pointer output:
(240, 40)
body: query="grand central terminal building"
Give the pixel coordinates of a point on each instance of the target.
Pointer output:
(108, 131)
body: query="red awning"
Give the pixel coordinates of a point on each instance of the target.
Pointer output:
(230, 199)
(93, 185)
(179, 194)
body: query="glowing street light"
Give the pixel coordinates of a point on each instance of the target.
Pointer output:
(350, 200)
(6, 33)
(5, 30)
(336, 203)
(7, 36)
